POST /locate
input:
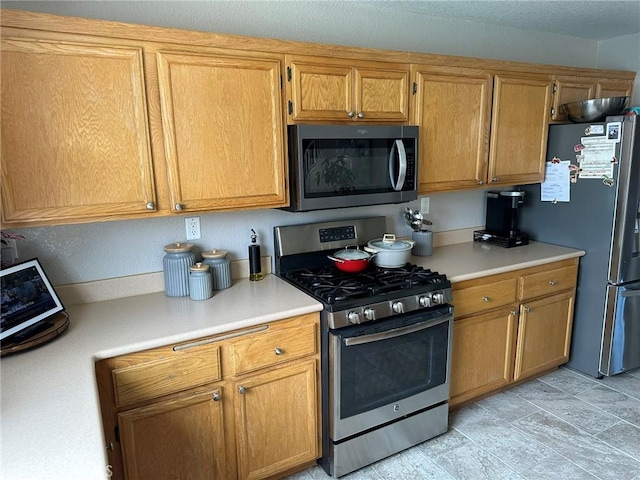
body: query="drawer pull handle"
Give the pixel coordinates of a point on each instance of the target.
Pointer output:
(278, 351)
(486, 299)
(216, 396)
(241, 389)
(514, 313)
(220, 338)
(527, 309)
(553, 283)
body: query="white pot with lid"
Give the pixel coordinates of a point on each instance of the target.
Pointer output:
(390, 253)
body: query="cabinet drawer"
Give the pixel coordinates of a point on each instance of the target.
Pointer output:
(273, 347)
(484, 297)
(180, 371)
(547, 283)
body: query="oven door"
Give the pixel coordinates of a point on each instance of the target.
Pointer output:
(389, 369)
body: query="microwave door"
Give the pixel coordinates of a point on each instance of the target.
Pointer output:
(397, 169)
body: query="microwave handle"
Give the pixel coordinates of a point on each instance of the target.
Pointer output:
(402, 173)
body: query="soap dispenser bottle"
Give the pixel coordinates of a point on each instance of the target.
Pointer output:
(255, 271)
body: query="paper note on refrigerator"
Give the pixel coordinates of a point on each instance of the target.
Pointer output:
(555, 187)
(598, 157)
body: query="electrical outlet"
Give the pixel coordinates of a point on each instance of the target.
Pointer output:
(193, 228)
(424, 204)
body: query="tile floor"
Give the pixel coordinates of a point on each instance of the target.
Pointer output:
(562, 426)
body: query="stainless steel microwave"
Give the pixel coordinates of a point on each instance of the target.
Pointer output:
(336, 166)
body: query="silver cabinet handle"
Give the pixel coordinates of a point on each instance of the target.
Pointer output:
(480, 182)
(151, 206)
(494, 179)
(278, 351)
(241, 389)
(351, 114)
(216, 396)
(527, 309)
(486, 299)
(179, 206)
(360, 114)
(514, 313)
(553, 283)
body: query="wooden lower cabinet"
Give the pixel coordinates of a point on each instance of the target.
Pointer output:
(276, 418)
(178, 438)
(483, 348)
(510, 327)
(188, 412)
(544, 334)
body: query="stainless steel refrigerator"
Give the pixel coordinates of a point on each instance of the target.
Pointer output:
(601, 217)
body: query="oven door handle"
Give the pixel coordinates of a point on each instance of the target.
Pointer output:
(396, 332)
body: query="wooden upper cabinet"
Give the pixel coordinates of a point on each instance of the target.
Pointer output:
(452, 106)
(519, 125)
(223, 129)
(613, 88)
(569, 89)
(75, 136)
(321, 89)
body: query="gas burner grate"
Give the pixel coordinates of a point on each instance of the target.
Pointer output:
(333, 286)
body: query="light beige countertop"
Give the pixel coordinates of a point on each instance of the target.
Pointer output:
(50, 419)
(466, 261)
(50, 416)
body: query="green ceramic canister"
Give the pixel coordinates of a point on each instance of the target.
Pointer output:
(175, 264)
(219, 266)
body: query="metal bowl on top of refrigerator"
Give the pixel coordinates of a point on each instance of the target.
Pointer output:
(594, 110)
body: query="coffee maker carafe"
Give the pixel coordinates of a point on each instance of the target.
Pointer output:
(501, 225)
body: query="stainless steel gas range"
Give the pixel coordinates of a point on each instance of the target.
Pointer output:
(386, 341)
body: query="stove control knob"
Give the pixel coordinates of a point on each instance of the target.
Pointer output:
(397, 307)
(369, 313)
(353, 317)
(438, 298)
(425, 301)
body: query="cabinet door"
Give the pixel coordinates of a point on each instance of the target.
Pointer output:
(382, 94)
(614, 88)
(277, 420)
(319, 91)
(180, 438)
(544, 334)
(452, 107)
(569, 90)
(521, 113)
(482, 354)
(328, 89)
(75, 138)
(223, 130)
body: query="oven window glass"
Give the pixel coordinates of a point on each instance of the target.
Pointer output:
(377, 373)
(347, 166)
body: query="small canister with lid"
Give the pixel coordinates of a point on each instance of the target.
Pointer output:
(176, 263)
(200, 287)
(220, 268)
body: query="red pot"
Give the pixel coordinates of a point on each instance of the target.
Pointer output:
(351, 260)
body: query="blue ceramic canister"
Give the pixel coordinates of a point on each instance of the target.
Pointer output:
(175, 264)
(200, 287)
(219, 266)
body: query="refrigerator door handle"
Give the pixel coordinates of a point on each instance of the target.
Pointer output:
(631, 293)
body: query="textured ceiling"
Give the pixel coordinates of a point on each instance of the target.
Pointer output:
(592, 19)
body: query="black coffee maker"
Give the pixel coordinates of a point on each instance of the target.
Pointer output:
(501, 227)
